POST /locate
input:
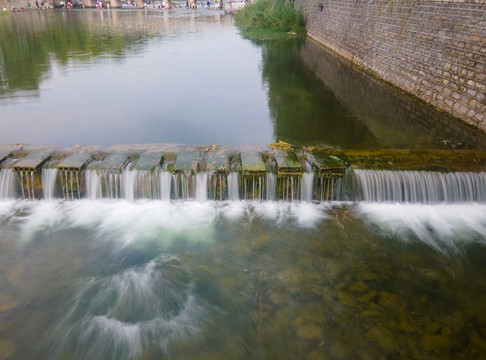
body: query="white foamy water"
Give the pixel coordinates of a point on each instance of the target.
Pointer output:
(443, 227)
(143, 306)
(127, 222)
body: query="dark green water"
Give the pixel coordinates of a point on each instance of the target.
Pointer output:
(149, 279)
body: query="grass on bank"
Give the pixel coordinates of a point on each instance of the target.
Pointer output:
(270, 19)
(3, 12)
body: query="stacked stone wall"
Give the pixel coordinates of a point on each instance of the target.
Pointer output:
(435, 50)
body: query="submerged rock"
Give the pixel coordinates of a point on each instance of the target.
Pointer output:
(291, 275)
(435, 342)
(7, 303)
(383, 337)
(358, 286)
(391, 301)
(309, 332)
(310, 313)
(316, 355)
(6, 348)
(368, 296)
(276, 298)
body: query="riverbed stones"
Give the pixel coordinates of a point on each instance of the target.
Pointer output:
(436, 342)
(291, 275)
(276, 298)
(390, 300)
(309, 331)
(383, 337)
(368, 296)
(358, 286)
(7, 303)
(7, 347)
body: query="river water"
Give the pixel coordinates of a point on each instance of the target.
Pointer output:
(398, 277)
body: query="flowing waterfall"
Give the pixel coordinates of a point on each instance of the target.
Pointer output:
(289, 187)
(7, 184)
(217, 184)
(165, 184)
(27, 184)
(93, 185)
(128, 182)
(234, 186)
(421, 186)
(271, 186)
(146, 184)
(185, 182)
(307, 186)
(202, 186)
(49, 177)
(253, 188)
(70, 184)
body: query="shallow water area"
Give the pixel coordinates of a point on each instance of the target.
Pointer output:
(183, 279)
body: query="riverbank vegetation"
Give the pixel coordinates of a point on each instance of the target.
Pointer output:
(3, 12)
(270, 19)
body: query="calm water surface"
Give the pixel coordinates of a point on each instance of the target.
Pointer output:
(94, 77)
(151, 279)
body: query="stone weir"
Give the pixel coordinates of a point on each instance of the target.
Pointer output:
(277, 172)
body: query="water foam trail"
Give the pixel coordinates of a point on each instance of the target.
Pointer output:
(124, 222)
(443, 227)
(149, 306)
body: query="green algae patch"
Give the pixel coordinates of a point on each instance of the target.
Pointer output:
(420, 160)
(270, 20)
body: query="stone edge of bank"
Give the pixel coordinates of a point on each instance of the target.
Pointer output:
(435, 50)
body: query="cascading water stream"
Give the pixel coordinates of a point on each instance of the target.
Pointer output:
(186, 183)
(49, 176)
(93, 184)
(27, 184)
(165, 184)
(421, 186)
(202, 186)
(234, 186)
(271, 186)
(307, 186)
(128, 180)
(7, 183)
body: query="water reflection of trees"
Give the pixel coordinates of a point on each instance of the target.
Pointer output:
(31, 40)
(304, 111)
(313, 94)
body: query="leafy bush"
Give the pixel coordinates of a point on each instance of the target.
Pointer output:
(270, 19)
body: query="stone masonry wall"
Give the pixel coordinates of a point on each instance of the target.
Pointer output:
(435, 50)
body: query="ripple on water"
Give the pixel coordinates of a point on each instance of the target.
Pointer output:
(150, 306)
